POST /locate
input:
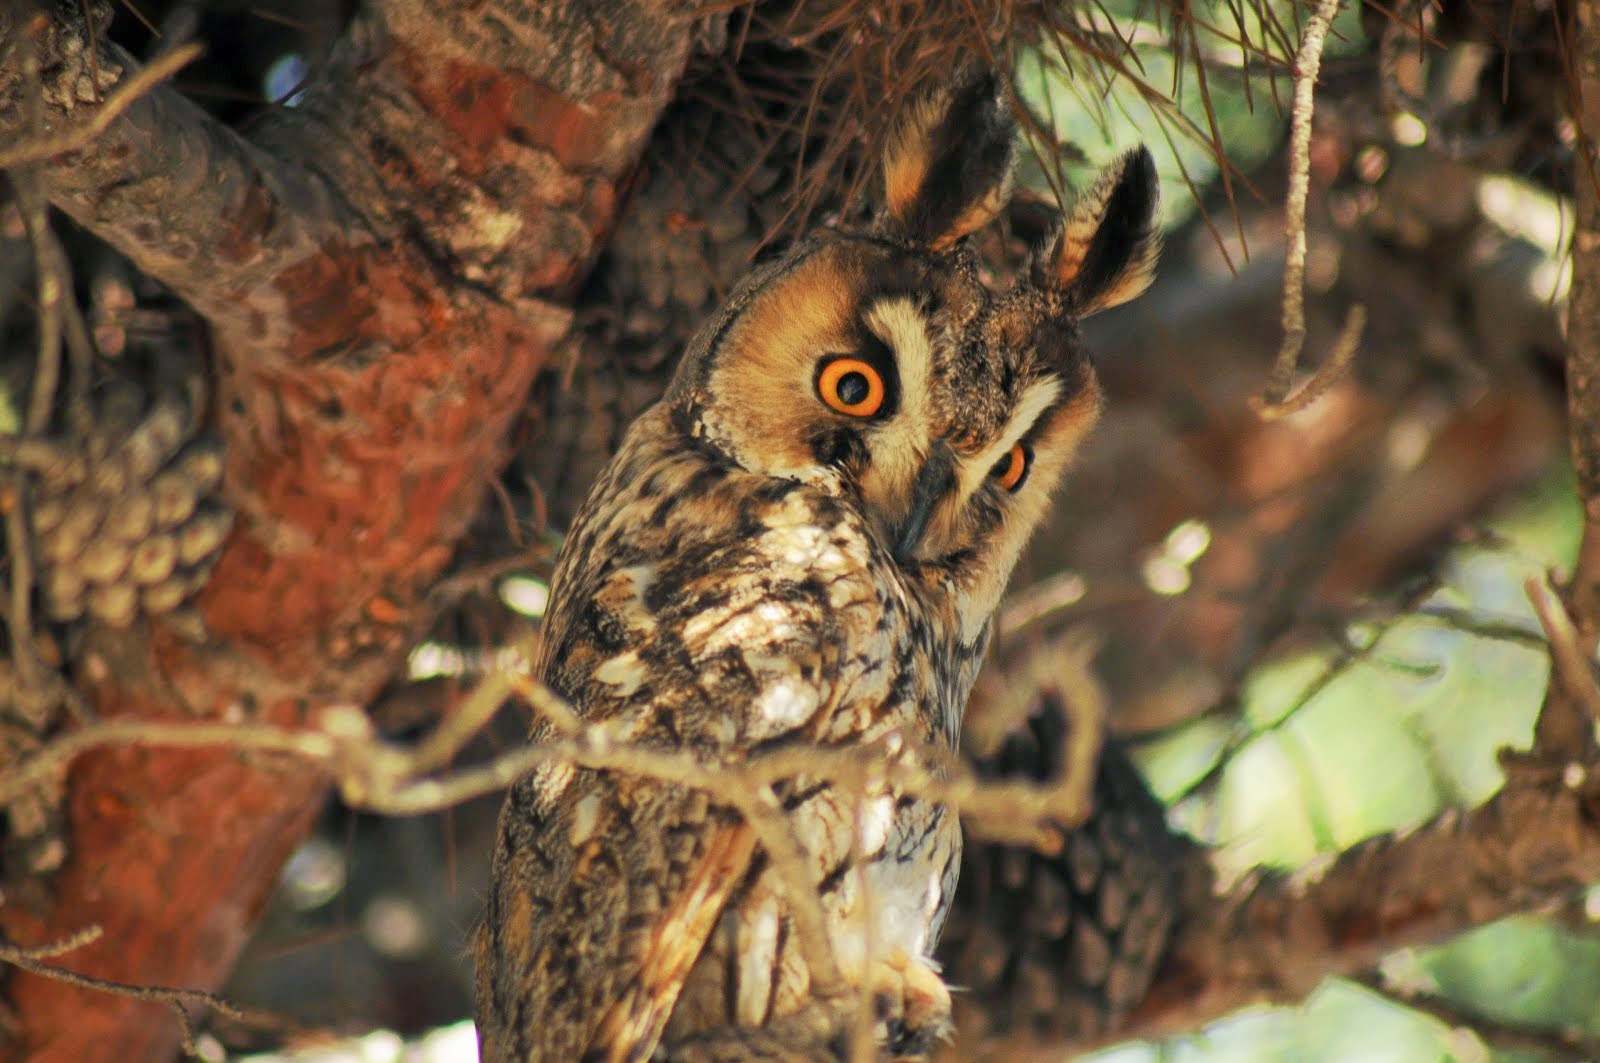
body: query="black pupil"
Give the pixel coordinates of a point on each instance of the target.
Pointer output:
(853, 389)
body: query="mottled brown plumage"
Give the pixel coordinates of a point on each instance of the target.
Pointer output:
(803, 543)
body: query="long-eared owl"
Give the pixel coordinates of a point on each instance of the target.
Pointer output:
(802, 544)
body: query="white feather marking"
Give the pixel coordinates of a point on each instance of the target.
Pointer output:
(876, 819)
(758, 954)
(900, 445)
(903, 896)
(550, 782)
(624, 595)
(585, 818)
(624, 672)
(786, 704)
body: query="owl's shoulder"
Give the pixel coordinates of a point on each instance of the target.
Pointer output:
(703, 602)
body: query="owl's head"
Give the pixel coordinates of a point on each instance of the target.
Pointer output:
(876, 365)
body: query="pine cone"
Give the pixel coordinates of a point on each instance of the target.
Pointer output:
(32, 842)
(1064, 945)
(134, 523)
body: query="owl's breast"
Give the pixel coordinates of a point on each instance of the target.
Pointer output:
(703, 604)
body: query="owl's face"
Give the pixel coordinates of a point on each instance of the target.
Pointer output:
(878, 367)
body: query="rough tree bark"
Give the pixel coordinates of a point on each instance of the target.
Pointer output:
(1583, 315)
(384, 269)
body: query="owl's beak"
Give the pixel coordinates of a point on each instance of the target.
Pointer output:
(935, 480)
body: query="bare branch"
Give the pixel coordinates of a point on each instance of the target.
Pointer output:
(1328, 373)
(1572, 667)
(77, 137)
(179, 1000)
(380, 777)
(185, 198)
(1533, 847)
(1275, 401)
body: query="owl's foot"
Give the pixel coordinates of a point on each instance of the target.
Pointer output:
(912, 1002)
(911, 1011)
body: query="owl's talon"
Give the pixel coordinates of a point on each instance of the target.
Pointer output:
(912, 1001)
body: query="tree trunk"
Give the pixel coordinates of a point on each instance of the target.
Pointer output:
(384, 270)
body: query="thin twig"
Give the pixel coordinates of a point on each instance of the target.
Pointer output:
(536, 560)
(1275, 401)
(383, 778)
(1571, 664)
(39, 148)
(465, 720)
(40, 456)
(179, 1000)
(1501, 1034)
(51, 949)
(19, 604)
(389, 779)
(58, 753)
(35, 218)
(1326, 376)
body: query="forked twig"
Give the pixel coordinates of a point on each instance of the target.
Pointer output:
(1275, 401)
(378, 776)
(30, 959)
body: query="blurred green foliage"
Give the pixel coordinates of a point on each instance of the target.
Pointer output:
(1334, 744)
(1403, 718)
(1339, 1021)
(1339, 742)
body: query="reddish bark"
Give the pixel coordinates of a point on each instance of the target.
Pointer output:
(380, 286)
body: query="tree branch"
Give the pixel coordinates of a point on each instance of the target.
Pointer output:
(383, 268)
(1564, 721)
(187, 199)
(1532, 847)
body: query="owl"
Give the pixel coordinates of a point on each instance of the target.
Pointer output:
(802, 544)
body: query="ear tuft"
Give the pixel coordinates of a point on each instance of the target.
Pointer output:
(947, 167)
(1106, 252)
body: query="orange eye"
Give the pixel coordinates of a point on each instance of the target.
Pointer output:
(1012, 469)
(851, 386)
